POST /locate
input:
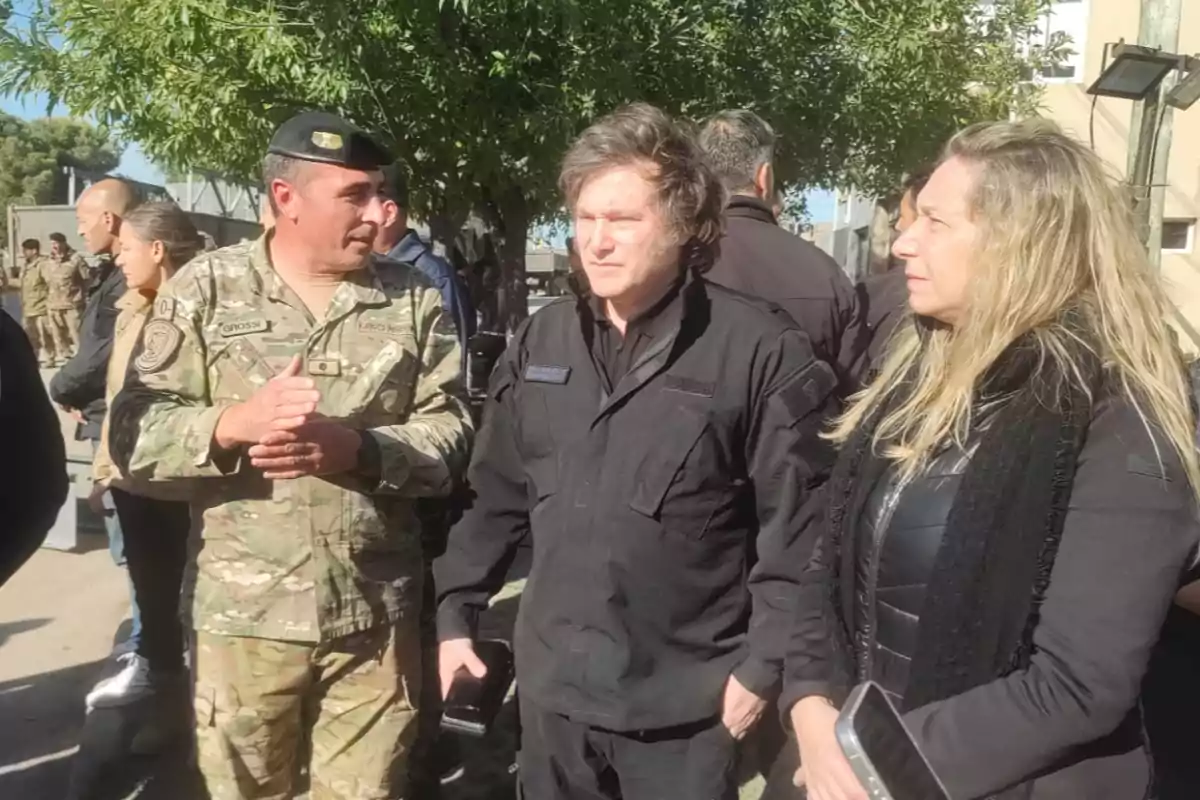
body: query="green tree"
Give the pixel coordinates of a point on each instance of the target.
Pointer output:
(481, 97)
(33, 155)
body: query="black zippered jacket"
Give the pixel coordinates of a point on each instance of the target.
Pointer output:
(82, 380)
(670, 520)
(763, 260)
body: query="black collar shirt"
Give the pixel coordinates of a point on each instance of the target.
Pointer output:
(614, 354)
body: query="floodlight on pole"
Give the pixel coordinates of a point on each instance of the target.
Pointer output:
(1134, 72)
(1187, 91)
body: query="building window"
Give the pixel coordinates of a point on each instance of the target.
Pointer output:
(1178, 235)
(1063, 28)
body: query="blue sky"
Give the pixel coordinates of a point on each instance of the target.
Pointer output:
(820, 205)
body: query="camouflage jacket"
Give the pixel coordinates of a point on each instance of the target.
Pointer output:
(34, 287)
(313, 558)
(66, 280)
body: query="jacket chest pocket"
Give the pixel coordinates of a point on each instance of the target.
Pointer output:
(381, 388)
(540, 440)
(238, 370)
(683, 481)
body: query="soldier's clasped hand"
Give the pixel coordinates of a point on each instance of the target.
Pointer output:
(319, 447)
(286, 402)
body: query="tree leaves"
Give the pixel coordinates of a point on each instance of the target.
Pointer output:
(858, 88)
(32, 155)
(481, 98)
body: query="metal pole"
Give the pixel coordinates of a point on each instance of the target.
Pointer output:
(1141, 153)
(1150, 149)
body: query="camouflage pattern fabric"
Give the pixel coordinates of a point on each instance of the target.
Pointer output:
(64, 329)
(261, 704)
(66, 281)
(35, 289)
(41, 337)
(312, 559)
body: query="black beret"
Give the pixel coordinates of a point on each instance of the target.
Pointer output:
(329, 139)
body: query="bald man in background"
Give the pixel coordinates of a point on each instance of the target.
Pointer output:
(79, 386)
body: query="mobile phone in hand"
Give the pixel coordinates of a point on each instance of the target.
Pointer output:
(472, 703)
(881, 751)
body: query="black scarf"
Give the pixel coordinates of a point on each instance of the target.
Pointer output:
(1003, 531)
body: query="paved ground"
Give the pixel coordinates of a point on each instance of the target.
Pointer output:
(58, 619)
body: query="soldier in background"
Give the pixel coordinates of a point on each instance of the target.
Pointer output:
(313, 390)
(35, 294)
(67, 275)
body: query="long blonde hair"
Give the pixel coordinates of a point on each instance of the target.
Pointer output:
(1056, 239)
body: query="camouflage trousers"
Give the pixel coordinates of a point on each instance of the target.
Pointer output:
(41, 337)
(64, 328)
(343, 711)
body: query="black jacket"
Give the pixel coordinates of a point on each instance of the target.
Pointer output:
(33, 462)
(883, 300)
(762, 259)
(81, 381)
(1069, 720)
(646, 508)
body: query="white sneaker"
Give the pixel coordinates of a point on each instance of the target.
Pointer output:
(123, 650)
(128, 686)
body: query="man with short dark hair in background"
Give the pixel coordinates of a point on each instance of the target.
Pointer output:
(401, 243)
(761, 259)
(35, 296)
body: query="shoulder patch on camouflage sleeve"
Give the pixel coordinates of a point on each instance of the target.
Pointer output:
(164, 308)
(160, 341)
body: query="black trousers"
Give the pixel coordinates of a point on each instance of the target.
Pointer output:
(156, 548)
(564, 760)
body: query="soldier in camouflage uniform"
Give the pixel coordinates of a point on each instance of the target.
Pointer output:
(35, 294)
(316, 389)
(66, 277)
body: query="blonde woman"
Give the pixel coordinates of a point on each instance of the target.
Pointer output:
(156, 239)
(1012, 508)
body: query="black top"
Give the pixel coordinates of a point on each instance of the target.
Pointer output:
(884, 300)
(899, 534)
(648, 507)
(615, 354)
(82, 380)
(761, 259)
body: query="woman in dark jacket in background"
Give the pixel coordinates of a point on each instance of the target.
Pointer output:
(1013, 507)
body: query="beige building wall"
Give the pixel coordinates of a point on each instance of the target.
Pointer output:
(1068, 103)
